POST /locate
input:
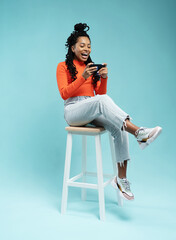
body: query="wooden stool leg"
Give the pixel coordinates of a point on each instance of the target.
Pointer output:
(119, 199)
(66, 173)
(100, 177)
(84, 163)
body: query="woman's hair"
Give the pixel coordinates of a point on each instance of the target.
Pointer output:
(80, 30)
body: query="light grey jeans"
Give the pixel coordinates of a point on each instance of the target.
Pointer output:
(100, 110)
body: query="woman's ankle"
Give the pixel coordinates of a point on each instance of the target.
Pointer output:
(121, 176)
(130, 127)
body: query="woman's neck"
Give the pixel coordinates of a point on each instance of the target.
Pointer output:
(76, 61)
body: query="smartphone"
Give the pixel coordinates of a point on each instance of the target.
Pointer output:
(99, 66)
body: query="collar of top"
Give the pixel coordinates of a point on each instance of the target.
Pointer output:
(77, 62)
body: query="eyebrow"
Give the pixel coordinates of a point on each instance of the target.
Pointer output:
(85, 43)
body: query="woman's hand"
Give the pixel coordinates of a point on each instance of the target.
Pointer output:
(103, 72)
(88, 71)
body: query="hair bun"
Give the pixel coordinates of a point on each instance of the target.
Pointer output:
(81, 27)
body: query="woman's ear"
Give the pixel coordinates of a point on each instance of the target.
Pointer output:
(73, 49)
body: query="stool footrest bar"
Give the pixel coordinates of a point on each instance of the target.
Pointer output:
(82, 185)
(107, 182)
(76, 177)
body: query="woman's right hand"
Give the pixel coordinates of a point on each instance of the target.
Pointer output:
(88, 71)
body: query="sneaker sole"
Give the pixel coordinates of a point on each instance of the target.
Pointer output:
(143, 145)
(122, 194)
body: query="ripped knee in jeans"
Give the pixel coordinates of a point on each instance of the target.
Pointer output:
(124, 123)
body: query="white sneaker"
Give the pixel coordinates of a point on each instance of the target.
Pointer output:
(123, 185)
(147, 135)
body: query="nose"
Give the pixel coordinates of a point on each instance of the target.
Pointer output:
(87, 48)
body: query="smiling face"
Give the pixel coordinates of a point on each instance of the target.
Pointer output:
(82, 49)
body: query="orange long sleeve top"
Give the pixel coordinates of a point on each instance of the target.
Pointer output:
(79, 87)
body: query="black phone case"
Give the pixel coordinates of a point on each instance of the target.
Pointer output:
(97, 65)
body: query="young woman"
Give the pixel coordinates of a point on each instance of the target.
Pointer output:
(84, 90)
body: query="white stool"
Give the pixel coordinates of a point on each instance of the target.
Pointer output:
(96, 132)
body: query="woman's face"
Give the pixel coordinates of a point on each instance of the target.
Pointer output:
(82, 49)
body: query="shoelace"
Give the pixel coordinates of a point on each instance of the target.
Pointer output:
(141, 130)
(126, 184)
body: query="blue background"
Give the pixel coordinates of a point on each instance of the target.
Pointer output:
(137, 40)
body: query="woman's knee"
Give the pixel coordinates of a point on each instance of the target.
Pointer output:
(103, 98)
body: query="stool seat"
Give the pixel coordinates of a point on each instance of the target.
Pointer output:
(88, 130)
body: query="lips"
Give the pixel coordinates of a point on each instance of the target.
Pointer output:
(84, 55)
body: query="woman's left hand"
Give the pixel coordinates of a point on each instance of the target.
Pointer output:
(103, 72)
